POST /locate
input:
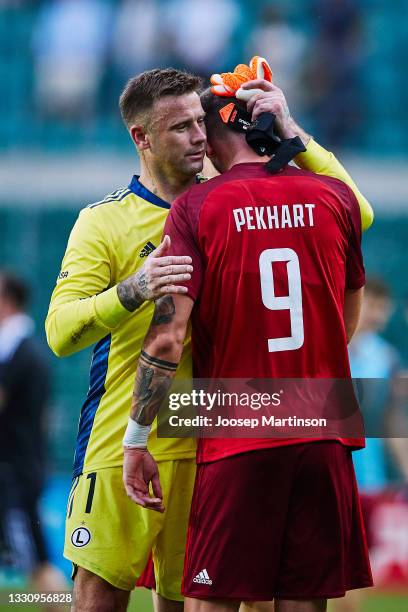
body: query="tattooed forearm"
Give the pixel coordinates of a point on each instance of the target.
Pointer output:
(133, 291)
(153, 380)
(164, 311)
(159, 363)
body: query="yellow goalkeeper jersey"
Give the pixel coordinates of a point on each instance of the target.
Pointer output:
(109, 242)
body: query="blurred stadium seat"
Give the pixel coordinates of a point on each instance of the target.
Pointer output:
(24, 122)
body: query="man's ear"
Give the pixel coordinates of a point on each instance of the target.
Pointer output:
(139, 137)
(209, 150)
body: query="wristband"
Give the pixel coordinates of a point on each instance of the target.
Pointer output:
(136, 435)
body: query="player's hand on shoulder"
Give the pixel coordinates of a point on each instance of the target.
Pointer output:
(160, 275)
(139, 470)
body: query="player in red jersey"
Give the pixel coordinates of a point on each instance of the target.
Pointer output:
(278, 277)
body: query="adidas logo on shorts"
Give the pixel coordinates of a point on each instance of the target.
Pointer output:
(147, 249)
(203, 578)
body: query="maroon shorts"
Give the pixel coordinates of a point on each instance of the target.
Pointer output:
(279, 523)
(146, 578)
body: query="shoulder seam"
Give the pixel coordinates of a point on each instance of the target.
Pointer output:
(115, 196)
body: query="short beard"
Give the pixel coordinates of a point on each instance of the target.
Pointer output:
(188, 170)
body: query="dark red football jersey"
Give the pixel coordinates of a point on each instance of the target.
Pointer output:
(272, 257)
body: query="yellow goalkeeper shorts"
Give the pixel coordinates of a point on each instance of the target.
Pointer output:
(111, 536)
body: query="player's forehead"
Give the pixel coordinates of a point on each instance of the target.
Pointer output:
(171, 109)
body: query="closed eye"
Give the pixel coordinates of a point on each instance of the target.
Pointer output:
(179, 126)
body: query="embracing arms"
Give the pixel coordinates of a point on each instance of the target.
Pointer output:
(315, 158)
(87, 302)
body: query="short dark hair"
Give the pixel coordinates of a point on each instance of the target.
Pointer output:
(212, 105)
(377, 288)
(14, 289)
(141, 92)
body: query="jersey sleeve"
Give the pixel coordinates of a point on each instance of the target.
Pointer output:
(182, 229)
(84, 306)
(355, 273)
(320, 161)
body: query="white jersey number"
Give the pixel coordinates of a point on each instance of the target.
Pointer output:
(291, 302)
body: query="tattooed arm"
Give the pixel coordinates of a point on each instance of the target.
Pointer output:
(160, 356)
(157, 277)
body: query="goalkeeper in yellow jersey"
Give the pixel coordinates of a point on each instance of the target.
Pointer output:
(114, 266)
